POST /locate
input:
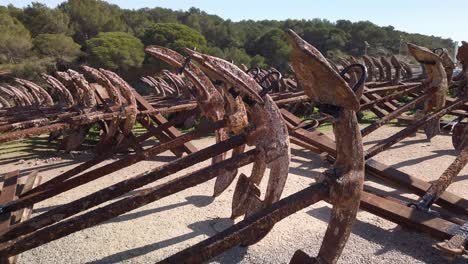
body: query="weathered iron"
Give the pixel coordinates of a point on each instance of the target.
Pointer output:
(267, 120)
(380, 68)
(436, 77)
(346, 177)
(242, 106)
(439, 186)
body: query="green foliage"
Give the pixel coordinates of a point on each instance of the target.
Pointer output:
(274, 47)
(174, 36)
(57, 46)
(258, 61)
(137, 22)
(15, 40)
(214, 51)
(30, 69)
(238, 56)
(40, 19)
(115, 50)
(326, 38)
(89, 17)
(254, 43)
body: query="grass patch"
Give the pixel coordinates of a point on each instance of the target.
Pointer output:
(35, 147)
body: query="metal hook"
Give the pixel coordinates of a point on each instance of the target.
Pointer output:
(363, 77)
(256, 71)
(188, 59)
(438, 49)
(315, 123)
(274, 84)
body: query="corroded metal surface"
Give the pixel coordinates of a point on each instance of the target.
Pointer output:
(269, 135)
(242, 107)
(347, 175)
(436, 77)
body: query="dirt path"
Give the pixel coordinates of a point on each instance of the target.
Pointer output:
(164, 227)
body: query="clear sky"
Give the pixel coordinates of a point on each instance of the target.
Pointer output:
(447, 19)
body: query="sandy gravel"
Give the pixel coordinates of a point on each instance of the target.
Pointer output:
(162, 228)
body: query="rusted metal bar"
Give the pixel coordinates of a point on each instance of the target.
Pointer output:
(387, 106)
(292, 100)
(404, 215)
(125, 162)
(32, 132)
(399, 179)
(171, 131)
(13, 186)
(441, 184)
(71, 121)
(132, 202)
(99, 158)
(247, 229)
(24, 125)
(375, 109)
(456, 245)
(384, 120)
(170, 109)
(8, 193)
(385, 144)
(390, 97)
(393, 88)
(376, 169)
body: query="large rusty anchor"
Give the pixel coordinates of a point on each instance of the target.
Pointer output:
(342, 186)
(437, 79)
(447, 62)
(210, 101)
(269, 135)
(236, 117)
(460, 81)
(321, 83)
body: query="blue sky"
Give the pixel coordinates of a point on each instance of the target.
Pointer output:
(440, 18)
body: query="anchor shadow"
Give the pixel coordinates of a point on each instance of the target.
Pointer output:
(201, 228)
(398, 239)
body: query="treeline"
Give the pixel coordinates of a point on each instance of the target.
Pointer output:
(37, 38)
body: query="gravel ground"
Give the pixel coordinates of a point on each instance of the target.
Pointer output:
(162, 228)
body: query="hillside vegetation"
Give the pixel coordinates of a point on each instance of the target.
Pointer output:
(37, 38)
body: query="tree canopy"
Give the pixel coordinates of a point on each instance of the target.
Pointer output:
(57, 46)
(274, 47)
(40, 19)
(112, 37)
(15, 39)
(115, 50)
(89, 17)
(174, 36)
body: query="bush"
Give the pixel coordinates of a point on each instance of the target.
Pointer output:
(15, 40)
(57, 46)
(115, 50)
(174, 36)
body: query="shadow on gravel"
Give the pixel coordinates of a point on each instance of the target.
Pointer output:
(408, 242)
(306, 168)
(437, 153)
(195, 200)
(461, 178)
(405, 142)
(206, 228)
